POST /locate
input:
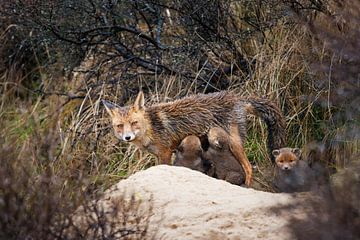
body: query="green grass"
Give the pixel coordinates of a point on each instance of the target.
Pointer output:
(256, 149)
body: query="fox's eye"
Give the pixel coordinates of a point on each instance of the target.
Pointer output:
(281, 161)
(134, 123)
(119, 125)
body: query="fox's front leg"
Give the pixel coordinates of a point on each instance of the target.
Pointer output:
(237, 149)
(164, 156)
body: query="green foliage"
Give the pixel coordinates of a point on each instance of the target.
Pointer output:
(255, 148)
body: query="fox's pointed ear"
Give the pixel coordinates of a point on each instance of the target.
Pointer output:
(275, 152)
(110, 107)
(139, 103)
(296, 151)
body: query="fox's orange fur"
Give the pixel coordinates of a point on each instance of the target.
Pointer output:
(286, 158)
(161, 127)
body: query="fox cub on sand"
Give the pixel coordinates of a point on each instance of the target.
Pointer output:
(217, 161)
(291, 173)
(161, 127)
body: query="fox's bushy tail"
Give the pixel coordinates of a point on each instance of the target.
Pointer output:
(274, 119)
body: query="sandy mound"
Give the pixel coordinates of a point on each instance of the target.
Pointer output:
(190, 205)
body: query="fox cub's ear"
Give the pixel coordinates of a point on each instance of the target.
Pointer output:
(139, 103)
(275, 152)
(110, 107)
(296, 151)
(180, 148)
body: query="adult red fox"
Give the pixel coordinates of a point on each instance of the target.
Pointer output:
(161, 127)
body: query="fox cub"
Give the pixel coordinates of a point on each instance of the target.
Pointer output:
(189, 154)
(291, 173)
(226, 167)
(161, 127)
(216, 161)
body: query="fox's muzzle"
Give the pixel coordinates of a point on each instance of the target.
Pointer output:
(286, 167)
(128, 137)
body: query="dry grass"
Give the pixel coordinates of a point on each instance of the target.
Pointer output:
(40, 189)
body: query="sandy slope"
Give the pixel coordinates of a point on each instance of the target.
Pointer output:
(191, 205)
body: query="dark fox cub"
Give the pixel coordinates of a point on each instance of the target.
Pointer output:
(216, 161)
(291, 173)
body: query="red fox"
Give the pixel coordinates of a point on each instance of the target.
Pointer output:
(161, 127)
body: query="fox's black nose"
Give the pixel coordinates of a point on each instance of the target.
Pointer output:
(127, 138)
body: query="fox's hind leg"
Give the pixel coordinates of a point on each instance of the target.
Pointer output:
(236, 147)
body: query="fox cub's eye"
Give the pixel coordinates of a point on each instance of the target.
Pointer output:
(134, 123)
(119, 125)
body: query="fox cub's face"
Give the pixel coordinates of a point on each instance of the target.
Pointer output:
(286, 158)
(128, 122)
(188, 153)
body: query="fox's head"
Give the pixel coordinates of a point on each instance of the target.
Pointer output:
(286, 158)
(188, 154)
(128, 122)
(218, 139)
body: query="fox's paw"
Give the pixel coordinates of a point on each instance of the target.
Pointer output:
(248, 181)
